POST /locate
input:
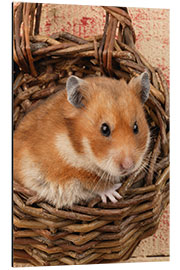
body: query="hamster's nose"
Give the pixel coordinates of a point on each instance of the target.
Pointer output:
(127, 163)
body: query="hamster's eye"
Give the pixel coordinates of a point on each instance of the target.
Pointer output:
(105, 130)
(135, 128)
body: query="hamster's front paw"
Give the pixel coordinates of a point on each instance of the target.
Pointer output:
(111, 193)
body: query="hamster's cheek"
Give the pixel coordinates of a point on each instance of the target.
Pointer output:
(67, 152)
(88, 150)
(102, 160)
(110, 166)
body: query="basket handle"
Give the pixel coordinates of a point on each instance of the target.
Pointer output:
(118, 25)
(26, 22)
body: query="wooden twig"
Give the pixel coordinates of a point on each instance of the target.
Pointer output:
(26, 32)
(68, 36)
(38, 18)
(155, 153)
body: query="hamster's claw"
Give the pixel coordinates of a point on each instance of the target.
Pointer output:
(111, 193)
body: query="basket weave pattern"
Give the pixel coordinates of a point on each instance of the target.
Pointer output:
(91, 232)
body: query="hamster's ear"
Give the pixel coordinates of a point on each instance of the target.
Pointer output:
(74, 87)
(141, 85)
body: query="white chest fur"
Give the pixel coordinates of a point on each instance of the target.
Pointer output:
(35, 180)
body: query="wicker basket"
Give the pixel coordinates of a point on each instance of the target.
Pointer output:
(93, 232)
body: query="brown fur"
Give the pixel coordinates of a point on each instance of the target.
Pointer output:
(106, 100)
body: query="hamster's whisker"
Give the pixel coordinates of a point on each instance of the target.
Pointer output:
(144, 165)
(144, 168)
(98, 182)
(109, 177)
(104, 176)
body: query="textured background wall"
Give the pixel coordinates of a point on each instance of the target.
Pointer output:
(152, 32)
(151, 27)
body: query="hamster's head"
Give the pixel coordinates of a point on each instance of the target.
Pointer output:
(108, 123)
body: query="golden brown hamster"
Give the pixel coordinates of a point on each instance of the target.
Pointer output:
(81, 141)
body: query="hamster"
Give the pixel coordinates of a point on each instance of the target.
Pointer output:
(81, 141)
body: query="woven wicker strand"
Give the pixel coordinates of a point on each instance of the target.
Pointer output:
(90, 232)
